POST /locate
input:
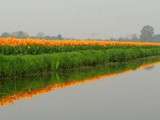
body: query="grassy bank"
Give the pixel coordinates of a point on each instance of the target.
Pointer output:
(21, 65)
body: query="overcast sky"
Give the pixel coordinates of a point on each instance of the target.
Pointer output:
(73, 17)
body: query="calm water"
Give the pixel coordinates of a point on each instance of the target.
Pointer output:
(128, 96)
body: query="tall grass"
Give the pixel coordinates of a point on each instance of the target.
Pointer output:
(27, 64)
(22, 87)
(71, 75)
(35, 50)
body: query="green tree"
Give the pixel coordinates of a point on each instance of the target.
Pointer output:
(5, 34)
(59, 36)
(40, 35)
(20, 34)
(147, 33)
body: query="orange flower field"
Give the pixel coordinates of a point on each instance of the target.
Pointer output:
(25, 42)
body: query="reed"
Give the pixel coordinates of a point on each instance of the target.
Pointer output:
(36, 50)
(14, 89)
(21, 65)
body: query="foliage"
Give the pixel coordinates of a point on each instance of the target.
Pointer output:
(147, 33)
(13, 89)
(27, 64)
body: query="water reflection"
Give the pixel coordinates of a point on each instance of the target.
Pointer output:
(14, 89)
(150, 67)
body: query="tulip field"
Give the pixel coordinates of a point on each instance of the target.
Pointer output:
(21, 57)
(42, 42)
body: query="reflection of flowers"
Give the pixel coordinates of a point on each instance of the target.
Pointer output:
(28, 95)
(28, 41)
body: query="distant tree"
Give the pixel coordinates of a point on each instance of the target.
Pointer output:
(20, 34)
(40, 35)
(47, 37)
(134, 37)
(156, 37)
(5, 34)
(112, 39)
(147, 33)
(120, 38)
(123, 39)
(59, 36)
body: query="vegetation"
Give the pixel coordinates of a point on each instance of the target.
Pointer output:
(13, 89)
(36, 50)
(22, 57)
(44, 42)
(21, 65)
(147, 33)
(63, 63)
(22, 34)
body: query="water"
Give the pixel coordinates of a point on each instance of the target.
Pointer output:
(88, 94)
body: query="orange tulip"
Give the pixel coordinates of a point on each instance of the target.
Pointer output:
(43, 42)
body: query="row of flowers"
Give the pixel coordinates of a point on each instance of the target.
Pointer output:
(43, 42)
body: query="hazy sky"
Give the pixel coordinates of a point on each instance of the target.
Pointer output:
(73, 17)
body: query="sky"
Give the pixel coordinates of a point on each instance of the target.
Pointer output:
(79, 18)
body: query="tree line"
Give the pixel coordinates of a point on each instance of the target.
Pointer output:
(22, 34)
(146, 34)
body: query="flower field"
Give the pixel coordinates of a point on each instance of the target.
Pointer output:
(21, 57)
(42, 42)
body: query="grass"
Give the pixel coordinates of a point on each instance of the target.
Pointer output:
(21, 65)
(12, 86)
(36, 50)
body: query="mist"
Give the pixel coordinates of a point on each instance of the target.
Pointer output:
(79, 18)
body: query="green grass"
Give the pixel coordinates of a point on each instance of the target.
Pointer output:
(36, 50)
(21, 65)
(12, 85)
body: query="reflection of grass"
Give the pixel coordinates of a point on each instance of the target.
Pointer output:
(17, 65)
(38, 82)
